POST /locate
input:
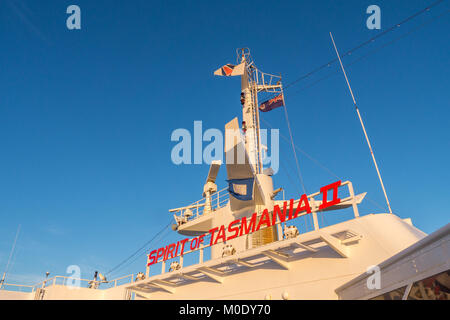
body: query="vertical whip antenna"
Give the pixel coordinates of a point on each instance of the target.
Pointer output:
(2, 281)
(362, 124)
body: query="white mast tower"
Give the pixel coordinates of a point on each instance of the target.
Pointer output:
(244, 162)
(250, 112)
(254, 81)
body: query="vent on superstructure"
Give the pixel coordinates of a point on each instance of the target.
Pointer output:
(345, 235)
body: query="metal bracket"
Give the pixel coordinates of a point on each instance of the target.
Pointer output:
(277, 258)
(212, 273)
(304, 246)
(162, 284)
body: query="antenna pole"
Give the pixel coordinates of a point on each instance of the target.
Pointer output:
(9, 260)
(362, 124)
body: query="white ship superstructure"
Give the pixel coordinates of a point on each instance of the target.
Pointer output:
(274, 260)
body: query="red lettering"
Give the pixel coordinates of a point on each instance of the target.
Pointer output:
(160, 253)
(165, 253)
(291, 208)
(195, 241)
(301, 208)
(176, 251)
(170, 251)
(220, 234)
(212, 231)
(235, 229)
(277, 211)
(183, 242)
(252, 225)
(245, 228)
(324, 191)
(152, 258)
(265, 218)
(200, 239)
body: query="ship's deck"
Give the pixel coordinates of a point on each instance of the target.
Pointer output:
(311, 265)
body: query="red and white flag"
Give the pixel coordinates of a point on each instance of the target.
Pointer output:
(230, 70)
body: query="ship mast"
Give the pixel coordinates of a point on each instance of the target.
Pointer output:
(250, 112)
(254, 81)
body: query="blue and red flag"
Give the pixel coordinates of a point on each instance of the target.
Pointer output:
(273, 103)
(241, 189)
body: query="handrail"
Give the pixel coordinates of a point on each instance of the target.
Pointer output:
(53, 281)
(218, 200)
(13, 285)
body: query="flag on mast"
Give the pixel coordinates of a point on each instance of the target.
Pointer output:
(230, 70)
(241, 189)
(271, 104)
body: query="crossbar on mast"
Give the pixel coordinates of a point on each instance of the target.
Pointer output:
(362, 124)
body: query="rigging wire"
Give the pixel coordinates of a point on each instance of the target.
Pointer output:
(293, 147)
(138, 250)
(290, 179)
(371, 52)
(142, 253)
(131, 259)
(296, 158)
(163, 236)
(363, 44)
(304, 153)
(322, 166)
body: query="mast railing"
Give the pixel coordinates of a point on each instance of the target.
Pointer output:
(218, 200)
(267, 82)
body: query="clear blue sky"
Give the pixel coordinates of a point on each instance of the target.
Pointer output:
(86, 115)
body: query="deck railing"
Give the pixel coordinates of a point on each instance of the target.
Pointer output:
(68, 282)
(16, 287)
(218, 200)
